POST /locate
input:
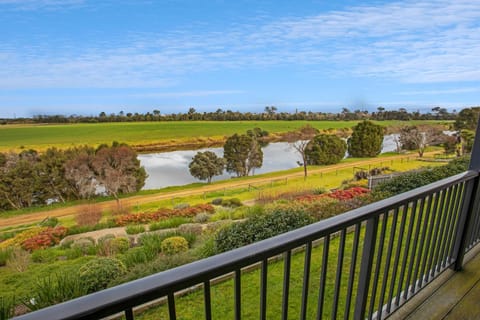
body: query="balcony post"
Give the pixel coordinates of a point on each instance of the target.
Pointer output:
(366, 268)
(469, 205)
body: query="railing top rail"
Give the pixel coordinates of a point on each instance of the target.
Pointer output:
(140, 291)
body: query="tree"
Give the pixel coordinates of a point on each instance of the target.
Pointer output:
(366, 140)
(206, 165)
(450, 144)
(79, 172)
(413, 137)
(118, 170)
(242, 154)
(467, 119)
(299, 140)
(325, 149)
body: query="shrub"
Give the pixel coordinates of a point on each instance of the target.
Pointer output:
(232, 203)
(111, 246)
(201, 217)
(88, 215)
(173, 245)
(19, 238)
(217, 201)
(46, 238)
(18, 260)
(44, 256)
(4, 255)
(194, 228)
(7, 307)
(85, 245)
(278, 221)
(415, 179)
(96, 273)
(55, 288)
(136, 229)
(168, 223)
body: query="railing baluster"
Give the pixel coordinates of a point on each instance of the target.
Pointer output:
(366, 267)
(207, 300)
(423, 246)
(388, 259)
(456, 215)
(378, 264)
(415, 255)
(448, 228)
(263, 290)
(129, 314)
(431, 261)
(338, 276)
(323, 277)
(286, 284)
(306, 279)
(396, 261)
(238, 294)
(432, 239)
(351, 277)
(428, 244)
(406, 250)
(171, 306)
(441, 236)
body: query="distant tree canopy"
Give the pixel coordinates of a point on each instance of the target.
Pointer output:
(467, 119)
(242, 154)
(325, 149)
(206, 165)
(28, 179)
(269, 113)
(366, 140)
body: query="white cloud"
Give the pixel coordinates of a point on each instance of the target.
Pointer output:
(413, 41)
(39, 4)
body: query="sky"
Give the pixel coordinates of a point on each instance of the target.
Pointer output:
(88, 56)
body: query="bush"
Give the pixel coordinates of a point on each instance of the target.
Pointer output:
(56, 288)
(181, 206)
(201, 217)
(44, 256)
(168, 223)
(88, 215)
(18, 260)
(232, 203)
(19, 238)
(278, 221)
(85, 245)
(4, 255)
(415, 179)
(7, 307)
(217, 201)
(194, 228)
(137, 255)
(96, 273)
(173, 245)
(46, 238)
(109, 246)
(136, 229)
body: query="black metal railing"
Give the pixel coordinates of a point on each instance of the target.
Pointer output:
(365, 263)
(394, 248)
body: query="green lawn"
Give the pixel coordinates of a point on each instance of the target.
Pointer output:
(41, 137)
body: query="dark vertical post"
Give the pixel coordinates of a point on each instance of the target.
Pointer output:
(470, 201)
(366, 268)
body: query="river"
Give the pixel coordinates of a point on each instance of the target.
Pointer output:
(166, 169)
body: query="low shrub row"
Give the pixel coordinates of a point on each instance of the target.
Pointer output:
(162, 214)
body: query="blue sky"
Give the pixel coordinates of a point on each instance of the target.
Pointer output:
(84, 57)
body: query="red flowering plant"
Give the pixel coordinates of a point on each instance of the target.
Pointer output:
(162, 214)
(47, 238)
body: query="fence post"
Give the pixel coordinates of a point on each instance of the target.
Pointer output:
(469, 205)
(366, 268)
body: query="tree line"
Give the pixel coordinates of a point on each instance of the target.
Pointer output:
(269, 113)
(29, 178)
(243, 152)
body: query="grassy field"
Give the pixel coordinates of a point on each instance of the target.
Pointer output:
(41, 137)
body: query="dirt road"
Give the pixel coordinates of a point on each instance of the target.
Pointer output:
(134, 200)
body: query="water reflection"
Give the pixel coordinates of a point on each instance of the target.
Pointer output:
(171, 168)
